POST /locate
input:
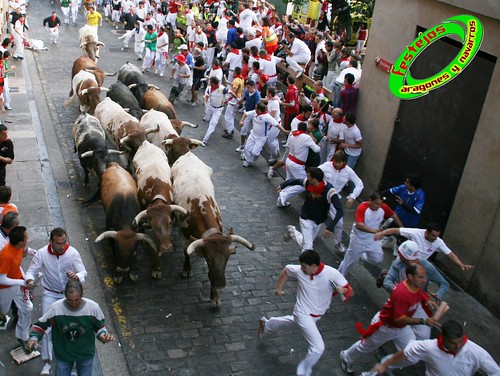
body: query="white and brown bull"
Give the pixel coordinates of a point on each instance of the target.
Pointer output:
(167, 137)
(119, 198)
(85, 88)
(89, 42)
(121, 127)
(154, 190)
(85, 63)
(194, 191)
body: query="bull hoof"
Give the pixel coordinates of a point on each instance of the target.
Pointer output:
(215, 303)
(118, 279)
(134, 277)
(156, 274)
(186, 274)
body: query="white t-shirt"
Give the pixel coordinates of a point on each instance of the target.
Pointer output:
(160, 41)
(299, 48)
(299, 146)
(234, 60)
(339, 178)
(371, 218)
(314, 295)
(350, 136)
(261, 123)
(426, 247)
(273, 104)
(354, 71)
(468, 361)
(247, 17)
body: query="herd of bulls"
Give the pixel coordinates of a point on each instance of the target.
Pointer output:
(151, 176)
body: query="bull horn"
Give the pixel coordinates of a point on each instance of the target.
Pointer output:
(115, 152)
(196, 244)
(83, 92)
(87, 154)
(101, 44)
(123, 140)
(178, 208)
(154, 130)
(153, 86)
(107, 73)
(144, 111)
(169, 142)
(83, 44)
(246, 243)
(106, 234)
(104, 89)
(188, 124)
(139, 217)
(131, 86)
(160, 197)
(197, 142)
(148, 240)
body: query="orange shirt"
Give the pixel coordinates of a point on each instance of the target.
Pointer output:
(10, 263)
(5, 208)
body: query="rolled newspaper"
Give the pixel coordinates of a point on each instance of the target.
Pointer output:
(442, 309)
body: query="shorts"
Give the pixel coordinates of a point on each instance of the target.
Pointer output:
(196, 83)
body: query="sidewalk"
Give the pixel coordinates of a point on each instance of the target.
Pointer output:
(39, 181)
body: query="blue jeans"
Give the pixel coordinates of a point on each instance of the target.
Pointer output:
(83, 367)
(351, 160)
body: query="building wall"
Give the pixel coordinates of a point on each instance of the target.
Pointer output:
(473, 227)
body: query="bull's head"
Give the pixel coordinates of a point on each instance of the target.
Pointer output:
(99, 159)
(160, 218)
(216, 250)
(178, 146)
(124, 246)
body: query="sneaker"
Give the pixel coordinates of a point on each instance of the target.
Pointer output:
(4, 322)
(379, 282)
(289, 233)
(261, 330)
(139, 59)
(46, 370)
(161, 74)
(270, 173)
(340, 247)
(8, 108)
(24, 345)
(299, 74)
(194, 104)
(227, 135)
(344, 364)
(246, 163)
(281, 204)
(240, 148)
(272, 161)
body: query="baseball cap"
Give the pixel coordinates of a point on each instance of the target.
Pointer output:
(409, 250)
(181, 58)
(183, 47)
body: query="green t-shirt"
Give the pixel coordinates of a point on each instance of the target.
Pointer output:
(150, 40)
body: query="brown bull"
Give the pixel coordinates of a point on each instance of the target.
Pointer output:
(87, 64)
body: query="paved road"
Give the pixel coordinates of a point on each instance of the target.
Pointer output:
(166, 326)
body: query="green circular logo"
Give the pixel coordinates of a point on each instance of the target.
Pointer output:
(468, 28)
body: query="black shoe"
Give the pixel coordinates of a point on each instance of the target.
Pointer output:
(227, 135)
(139, 58)
(24, 345)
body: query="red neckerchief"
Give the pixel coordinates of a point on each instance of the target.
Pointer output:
(320, 91)
(442, 348)
(338, 122)
(316, 190)
(49, 248)
(297, 133)
(267, 57)
(339, 169)
(256, 57)
(213, 87)
(320, 269)
(235, 51)
(161, 33)
(237, 76)
(299, 117)
(54, 18)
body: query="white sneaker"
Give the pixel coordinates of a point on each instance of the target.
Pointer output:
(246, 163)
(281, 204)
(347, 367)
(4, 323)
(270, 173)
(289, 233)
(242, 155)
(46, 370)
(341, 247)
(240, 148)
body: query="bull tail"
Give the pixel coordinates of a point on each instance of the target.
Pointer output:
(70, 100)
(188, 124)
(92, 199)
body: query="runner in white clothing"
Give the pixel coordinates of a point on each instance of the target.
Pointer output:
(428, 240)
(317, 283)
(297, 53)
(262, 123)
(59, 263)
(451, 354)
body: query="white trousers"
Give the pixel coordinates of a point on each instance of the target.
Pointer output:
(19, 45)
(65, 12)
(149, 57)
(210, 56)
(309, 231)
(254, 147)
(294, 61)
(115, 16)
(330, 77)
(295, 170)
(384, 334)
(229, 117)
(160, 62)
(273, 143)
(246, 127)
(6, 92)
(371, 251)
(48, 298)
(171, 19)
(307, 325)
(74, 14)
(212, 115)
(421, 331)
(20, 296)
(54, 34)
